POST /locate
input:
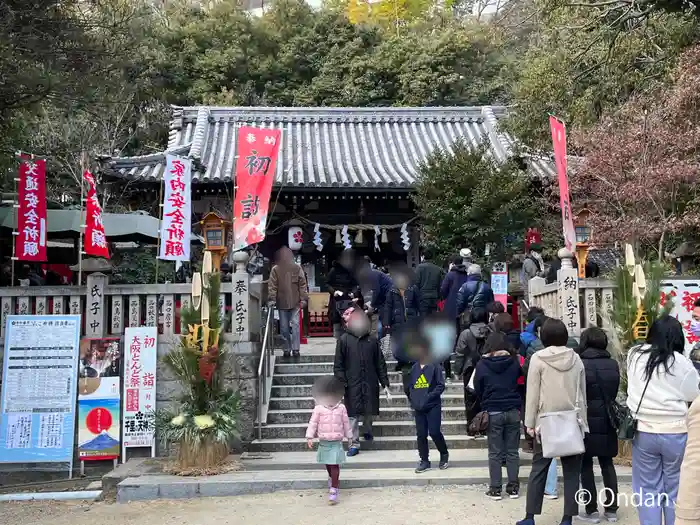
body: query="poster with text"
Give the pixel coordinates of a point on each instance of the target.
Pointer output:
(499, 283)
(99, 391)
(176, 225)
(683, 293)
(40, 372)
(140, 360)
(257, 150)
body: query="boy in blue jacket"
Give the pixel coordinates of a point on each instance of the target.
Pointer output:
(425, 386)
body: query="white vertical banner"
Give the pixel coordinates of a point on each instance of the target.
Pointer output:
(140, 360)
(176, 226)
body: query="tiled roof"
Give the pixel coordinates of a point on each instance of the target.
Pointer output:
(327, 147)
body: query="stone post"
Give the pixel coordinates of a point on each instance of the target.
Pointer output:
(95, 305)
(240, 304)
(569, 293)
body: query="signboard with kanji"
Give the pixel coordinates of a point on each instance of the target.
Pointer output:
(140, 360)
(176, 225)
(40, 376)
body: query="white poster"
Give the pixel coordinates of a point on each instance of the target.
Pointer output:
(175, 227)
(140, 360)
(40, 373)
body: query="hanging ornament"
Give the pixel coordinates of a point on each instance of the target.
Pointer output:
(345, 236)
(337, 237)
(317, 237)
(358, 238)
(405, 240)
(295, 238)
(385, 239)
(377, 233)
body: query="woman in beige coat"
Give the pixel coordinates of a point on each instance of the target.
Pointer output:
(688, 504)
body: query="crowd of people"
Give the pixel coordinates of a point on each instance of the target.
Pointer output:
(561, 394)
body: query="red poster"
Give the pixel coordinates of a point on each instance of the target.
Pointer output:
(559, 140)
(30, 244)
(255, 172)
(95, 242)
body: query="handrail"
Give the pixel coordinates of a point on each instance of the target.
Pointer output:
(265, 369)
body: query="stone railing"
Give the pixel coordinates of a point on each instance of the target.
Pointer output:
(578, 302)
(108, 309)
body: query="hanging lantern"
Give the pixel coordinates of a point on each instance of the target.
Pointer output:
(295, 238)
(358, 237)
(385, 239)
(338, 240)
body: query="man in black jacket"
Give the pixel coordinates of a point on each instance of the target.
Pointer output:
(428, 279)
(344, 287)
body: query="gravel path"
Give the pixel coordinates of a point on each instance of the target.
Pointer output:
(385, 506)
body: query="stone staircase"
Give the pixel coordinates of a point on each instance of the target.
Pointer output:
(291, 405)
(281, 461)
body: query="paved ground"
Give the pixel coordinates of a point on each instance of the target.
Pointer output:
(385, 506)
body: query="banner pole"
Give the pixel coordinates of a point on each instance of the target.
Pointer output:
(160, 224)
(83, 167)
(15, 233)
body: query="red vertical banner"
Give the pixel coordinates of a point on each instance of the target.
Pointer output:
(532, 236)
(95, 242)
(255, 172)
(559, 141)
(30, 244)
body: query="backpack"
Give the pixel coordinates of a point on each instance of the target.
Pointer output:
(522, 268)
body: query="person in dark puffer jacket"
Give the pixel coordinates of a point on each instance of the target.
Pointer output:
(602, 384)
(496, 386)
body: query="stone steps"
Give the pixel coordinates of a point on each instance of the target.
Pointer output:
(386, 414)
(399, 400)
(291, 405)
(396, 388)
(264, 473)
(379, 428)
(401, 442)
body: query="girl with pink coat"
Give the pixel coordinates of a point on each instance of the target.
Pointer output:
(329, 422)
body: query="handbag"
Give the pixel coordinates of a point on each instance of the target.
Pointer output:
(479, 425)
(613, 410)
(628, 421)
(561, 433)
(385, 345)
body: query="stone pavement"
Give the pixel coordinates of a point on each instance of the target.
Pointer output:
(433, 505)
(281, 471)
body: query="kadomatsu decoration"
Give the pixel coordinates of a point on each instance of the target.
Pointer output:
(207, 418)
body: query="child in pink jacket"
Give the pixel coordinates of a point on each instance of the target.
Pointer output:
(329, 422)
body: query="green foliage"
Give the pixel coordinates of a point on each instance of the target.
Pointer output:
(580, 68)
(139, 267)
(464, 198)
(294, 56)
(623, 312)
